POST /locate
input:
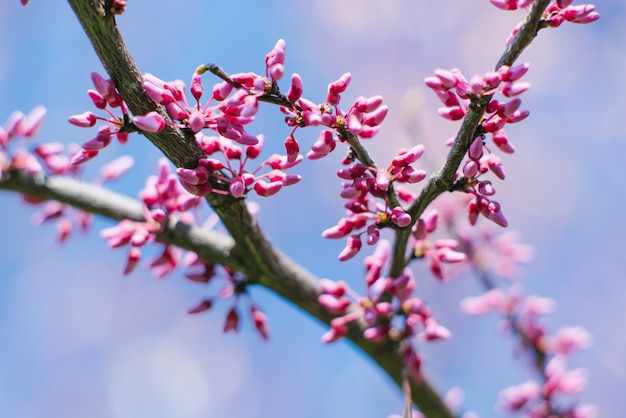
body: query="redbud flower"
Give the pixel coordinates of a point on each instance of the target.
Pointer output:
(232, 320)
(260, 322)
(296, 89)
(150, 122)
(336, 88)
(353, 246)
(203, 306)
(275, 61)
(116, 168)
(84, 120)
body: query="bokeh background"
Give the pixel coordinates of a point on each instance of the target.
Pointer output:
(80, 340)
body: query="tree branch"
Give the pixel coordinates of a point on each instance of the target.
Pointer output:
(252, 251)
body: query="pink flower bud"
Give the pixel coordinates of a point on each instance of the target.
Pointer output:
(232, 320)
(295, 89)
(411, 175)
(480, 305)
(377, 333)
(448, 98)
(83, 156)
(106, 88)
(100, 141)
(334, 334)
(446, 77)
(501, 141)
(434, 83)
(420, 229)
(470, 169)
(376, 117)
(512, 74)
(337, 289)
(495, 214)
(477, 84)
(352, 248)
(367, 105)
(507, 109)
(260, 322)
(518, 116)
(267, 189)
(237, 187)
(485, 188)
(175, 112)
(84, 120)
(195, 176)
(150, 122)
(222, 90)
(158, 93)
(325, 143)
(134, 255)
(451, 113)
(97, 99)
(336, 305)
(196, 86)
(117, 168)
(514, 89)
(292, 148)
(196, 121)
(353, 123)
(434, 331)
(406, 157)
(583, 13)
(475, 151)
(494, 123)
(495, 165)
(373, 234)
(430, 219)
(400, 217)
(203, 306)
(493, 79)
(340, 85)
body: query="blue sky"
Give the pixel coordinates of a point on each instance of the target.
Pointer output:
(80, 340)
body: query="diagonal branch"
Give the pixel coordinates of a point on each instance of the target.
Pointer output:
(289, 280)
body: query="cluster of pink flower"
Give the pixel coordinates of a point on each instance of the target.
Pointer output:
(17, 129)
(236, 288)
(562, 11)
(104, 96)
(437, 251)
(67, 216)
(163, 198)
(50, 158)
(551, 353)
(556, 13)
(233, 109)
(456, 93)
(389, 308)
(362, 119)
(366, 215)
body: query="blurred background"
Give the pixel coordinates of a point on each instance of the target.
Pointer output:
(80, 340)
